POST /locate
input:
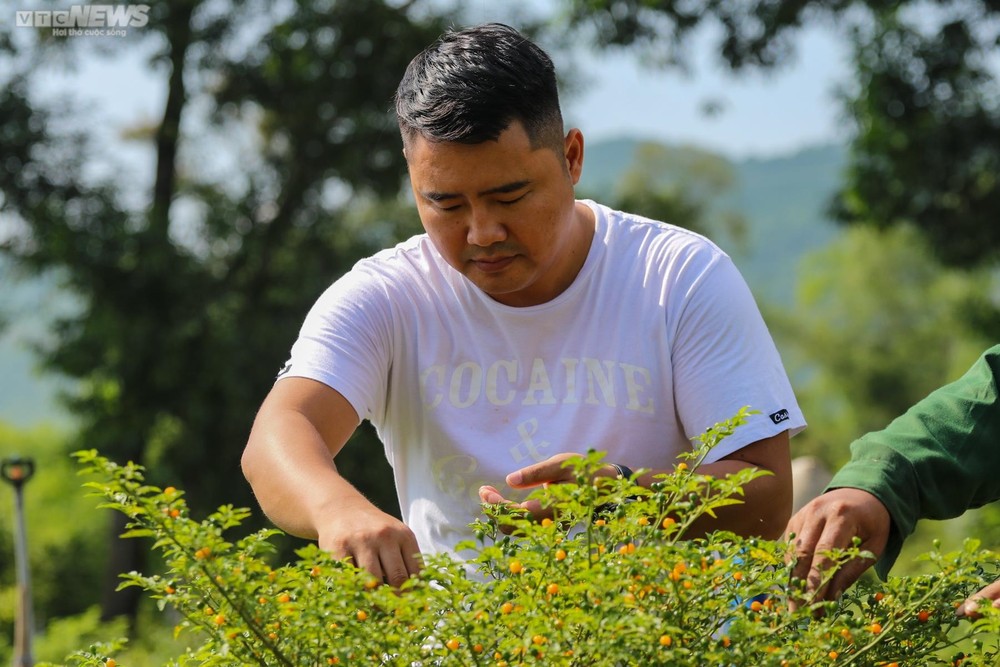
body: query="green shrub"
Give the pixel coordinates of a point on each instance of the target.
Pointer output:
(67, 540)
(609, 582)
(63, 635)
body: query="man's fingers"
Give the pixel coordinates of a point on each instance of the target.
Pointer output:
(809, 581)
(831, 522)
(970, 608)
(812, 565)
(381, 545)
(805, 549)
(533, 475)
(532, 508)
(393, 563)
(370, 561)
(536, 510)
(992, 592)
(824, 580)
(846, 576)
(816, 578)
(491, 496)
(413, 561)
(803, 558)
(394, 566)
(551, 469)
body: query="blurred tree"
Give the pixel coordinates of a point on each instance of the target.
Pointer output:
(753, 32)
(680, 185)
(926, 110)
(877, 325)
(189, 300)
(878, 322)
(925, 104)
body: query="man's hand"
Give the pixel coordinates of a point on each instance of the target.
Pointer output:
(550, 471)
(375, 541)
(971, 606)
(832, 521)
(289, 461)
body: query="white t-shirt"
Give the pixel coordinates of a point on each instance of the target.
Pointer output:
(656, 340)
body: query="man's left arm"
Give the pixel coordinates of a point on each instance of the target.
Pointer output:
(724, 359)
(767, 500)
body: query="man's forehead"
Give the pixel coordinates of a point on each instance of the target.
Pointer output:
(438, 170)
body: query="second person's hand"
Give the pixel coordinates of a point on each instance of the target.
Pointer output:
(832, 521)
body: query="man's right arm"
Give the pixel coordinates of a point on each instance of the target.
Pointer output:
(289, 462)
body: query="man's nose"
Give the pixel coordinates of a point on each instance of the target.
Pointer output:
(485, 228)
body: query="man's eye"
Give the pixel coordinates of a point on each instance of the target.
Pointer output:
(508, 202)
(452, 207)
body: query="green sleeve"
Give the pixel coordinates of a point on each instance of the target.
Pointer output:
(939, 459)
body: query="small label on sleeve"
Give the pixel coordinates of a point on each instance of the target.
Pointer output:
(779, 416)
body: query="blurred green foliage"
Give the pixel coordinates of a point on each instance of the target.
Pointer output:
(185, 317)
(876, 325)
(190, 299)
(67, 539)
(926, 108)
(923, 106)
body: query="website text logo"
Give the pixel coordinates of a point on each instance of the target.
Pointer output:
(86, 20)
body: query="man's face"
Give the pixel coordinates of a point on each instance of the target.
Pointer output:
(503, 213)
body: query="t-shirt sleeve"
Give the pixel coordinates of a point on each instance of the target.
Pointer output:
(345, 342)
(724, 359)
(937, 460)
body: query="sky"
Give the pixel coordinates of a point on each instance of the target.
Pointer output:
(762, 114)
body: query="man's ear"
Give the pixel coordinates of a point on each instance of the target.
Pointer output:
(573, 154)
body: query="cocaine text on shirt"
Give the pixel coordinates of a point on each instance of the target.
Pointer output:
(568, 381)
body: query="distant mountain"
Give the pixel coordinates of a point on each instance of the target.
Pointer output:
(785, 202)
(782, 199)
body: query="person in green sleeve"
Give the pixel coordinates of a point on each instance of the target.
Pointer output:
(939, 459)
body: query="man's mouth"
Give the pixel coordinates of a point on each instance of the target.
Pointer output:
(492, 264)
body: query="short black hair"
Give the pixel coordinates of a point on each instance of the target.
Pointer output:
(471, 84)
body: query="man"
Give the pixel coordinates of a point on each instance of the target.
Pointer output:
(523, 327)
(937, 460)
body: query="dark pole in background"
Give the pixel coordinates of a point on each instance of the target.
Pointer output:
(18, 471)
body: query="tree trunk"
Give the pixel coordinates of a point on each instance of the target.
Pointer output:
(128, 555)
